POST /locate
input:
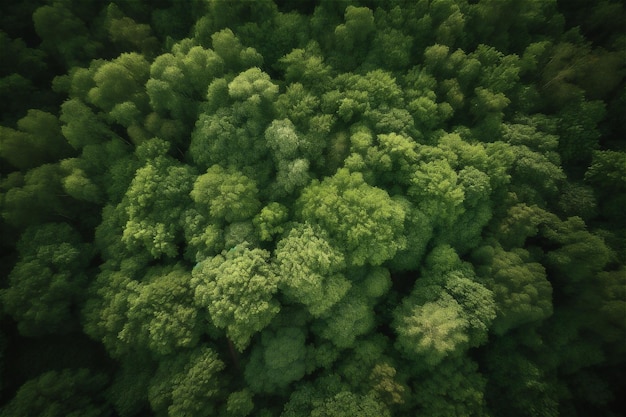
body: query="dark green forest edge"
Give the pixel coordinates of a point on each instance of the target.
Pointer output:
(312, 208)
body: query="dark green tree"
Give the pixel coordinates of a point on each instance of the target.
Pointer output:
(67, 392)
(45, 285)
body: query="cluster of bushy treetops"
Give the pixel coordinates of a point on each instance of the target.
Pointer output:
(312, 208)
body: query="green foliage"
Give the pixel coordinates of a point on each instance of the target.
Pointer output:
(81, 126)
(305, 66)
(32, 198)
(237, 288)
(522, 293)
(105, 311)
(187, 384)
(67, 392)
(64, 35)
(120, 81)
(363, 220)
(127, 33)
(234, 54)
(310, 269)
(78, 184)
(332, 208)
(280, 357)
(129, 390)
(347, 403)
(47, 281)
(436, 192)
(578, 255)
(225, 195)
(453, 387)
(270, 220)
(329, 397)
(433, 330)
(348, 319)
(38, 140)
(607, 174)
(531, 391)
(152, 202)
(162, 316)
(239, 404)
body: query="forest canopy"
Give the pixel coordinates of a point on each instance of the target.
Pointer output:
(322, 208)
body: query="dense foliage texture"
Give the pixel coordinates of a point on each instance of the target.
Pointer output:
(323, 208)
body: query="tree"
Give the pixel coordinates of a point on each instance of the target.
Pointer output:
(607, 173)
(270, 221)
(391, 50)
(310, 270)
(436, 192)
(350, 318)
(128, 391)
(235, 55)
(418, 229)
(152, 202)
(236, 288)
(77, 183)
(226, 195)
(328, 396)
(352, 36)
(127, 33)
(277, 361)
(306, 66)
(362, 220)
(520, 287)
(64, 35)
(22, 71)
(67, 392)
(187, 384)
(455, 386)
(47, 281)
(466, 232)
(33, 198)
(533, 389)
(348, 403)
(239, 404)
(161, 317)
(367, 368)
(231, 134)
(81, 126)
(288, 150)
(578, 133)
(447, 311)
(120, 81)
(537, 176)
(432, 330)
(179, 81)
(578, 255)
(105, 311)
(37, 140)
(388, 160)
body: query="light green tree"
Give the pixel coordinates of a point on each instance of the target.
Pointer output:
(362, 220)
(237, 290)
(187, 384)
(161, 316)
(155, 200)
(226, 195)
(310, 270)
